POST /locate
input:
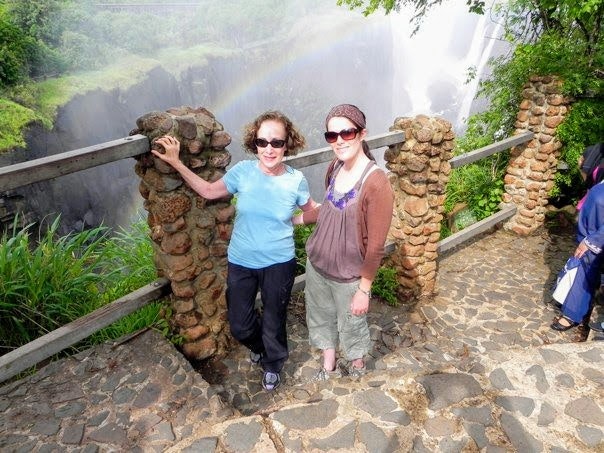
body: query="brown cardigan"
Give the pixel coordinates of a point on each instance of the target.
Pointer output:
(374, 217)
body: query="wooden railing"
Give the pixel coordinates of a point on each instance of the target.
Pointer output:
(18, 175)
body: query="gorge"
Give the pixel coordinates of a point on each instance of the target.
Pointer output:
(330, 57)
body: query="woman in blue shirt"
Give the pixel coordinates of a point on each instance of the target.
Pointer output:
(261, 253)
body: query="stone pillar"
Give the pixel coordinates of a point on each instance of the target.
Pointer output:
(420, 171)
(190, 233)
(533, 165)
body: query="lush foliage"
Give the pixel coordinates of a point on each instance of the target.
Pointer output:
(420, 7)
(301, 234)
(16, 50)
(385, 285)
(548, 38)
(581, 128)
(51, 50)
(13, 118)
(49, 281)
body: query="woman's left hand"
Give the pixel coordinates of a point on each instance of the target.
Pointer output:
(581, 249)
(360, 304)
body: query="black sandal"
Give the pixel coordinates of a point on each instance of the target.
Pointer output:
(561, 327)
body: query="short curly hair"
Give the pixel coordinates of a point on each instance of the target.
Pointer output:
(295, 141)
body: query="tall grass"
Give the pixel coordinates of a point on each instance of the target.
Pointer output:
(48, 281)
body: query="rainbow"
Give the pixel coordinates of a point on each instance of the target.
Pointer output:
(298, 60)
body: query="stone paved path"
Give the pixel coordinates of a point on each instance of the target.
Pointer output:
(476, 368)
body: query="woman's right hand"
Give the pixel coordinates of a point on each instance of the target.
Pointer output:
(171, 146)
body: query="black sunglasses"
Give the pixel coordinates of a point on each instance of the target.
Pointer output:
(263, 143)
(346, 134)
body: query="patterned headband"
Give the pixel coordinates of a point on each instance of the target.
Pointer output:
(349, 111)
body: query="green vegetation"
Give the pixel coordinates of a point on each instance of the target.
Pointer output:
(49, 281)
(547, 38)
(301, 234)
(52, 50)
(385, 285)
(13, 119)
(420, 7)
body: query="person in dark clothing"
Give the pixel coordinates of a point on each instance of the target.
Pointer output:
(591, 163)
(577, 297)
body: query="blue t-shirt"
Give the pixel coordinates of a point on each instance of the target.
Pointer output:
(263, 233)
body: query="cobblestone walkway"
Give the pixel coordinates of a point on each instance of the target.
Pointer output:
(476, 368)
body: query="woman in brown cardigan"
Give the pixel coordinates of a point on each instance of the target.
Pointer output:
(347, 246)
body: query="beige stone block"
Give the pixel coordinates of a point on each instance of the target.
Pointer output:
(416, 207)
(182, 289)
(220, 140)
(185, 320)
(201, 349)
(539, 166)
(185, 274)
(176, 243)
(553, 121)
(183, 305)
(194, 333)
(171, 207)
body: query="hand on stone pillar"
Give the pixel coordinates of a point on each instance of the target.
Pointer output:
(172, 150)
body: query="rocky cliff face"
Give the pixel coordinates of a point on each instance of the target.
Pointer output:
(107, 194)
(284, 76)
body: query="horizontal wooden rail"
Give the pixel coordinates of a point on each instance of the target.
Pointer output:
(476, 228)
(17, 175)
(47, 345)
(321, 155)
(486, 151)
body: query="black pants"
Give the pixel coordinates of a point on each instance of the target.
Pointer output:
(263, 333)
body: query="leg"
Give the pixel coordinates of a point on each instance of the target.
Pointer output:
(579, 299)
(242, 286)
(321, 316)
(276, 283)
(354, 331)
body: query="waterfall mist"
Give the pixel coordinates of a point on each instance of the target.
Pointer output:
(302, 60)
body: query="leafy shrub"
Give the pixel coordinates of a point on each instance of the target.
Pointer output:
(47, 284)
(52, 281)
(581, 128)
(385, 285)
(13, 119)
(301, 235)
(16, 51)
(82, 52)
